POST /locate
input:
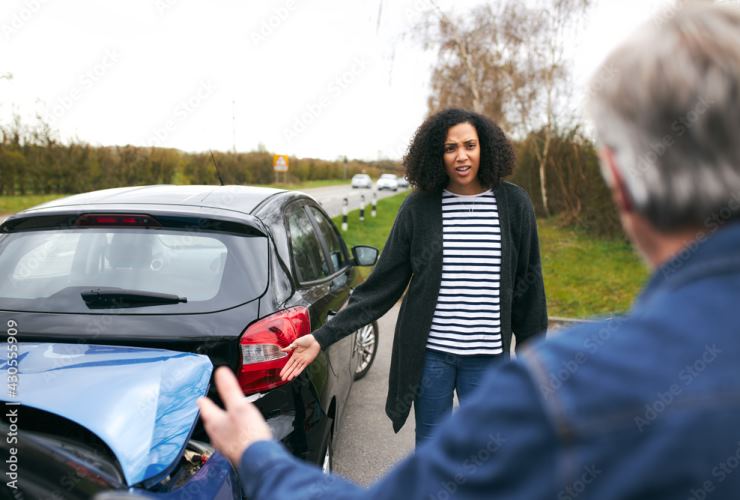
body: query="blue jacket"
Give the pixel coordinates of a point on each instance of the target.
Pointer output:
(644, 406)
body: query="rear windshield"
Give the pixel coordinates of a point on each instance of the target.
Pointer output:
(46, 271)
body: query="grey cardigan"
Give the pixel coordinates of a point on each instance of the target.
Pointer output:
(413, 257)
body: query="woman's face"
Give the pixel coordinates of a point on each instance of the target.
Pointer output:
(462, 159)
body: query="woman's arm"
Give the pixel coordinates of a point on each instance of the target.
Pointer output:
(368, 302)
(529, 308)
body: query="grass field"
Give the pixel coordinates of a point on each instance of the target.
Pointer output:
(12, 204)
(584, 276)
(587, 276)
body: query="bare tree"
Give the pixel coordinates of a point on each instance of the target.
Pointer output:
(506, 60)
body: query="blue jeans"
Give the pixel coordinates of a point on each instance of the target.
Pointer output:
(443, 374)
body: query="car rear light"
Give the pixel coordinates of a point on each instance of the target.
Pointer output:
(127, 220)
(260, 345)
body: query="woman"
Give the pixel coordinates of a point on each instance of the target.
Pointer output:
(465, 243)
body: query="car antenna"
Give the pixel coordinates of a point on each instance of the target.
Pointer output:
(218, 172)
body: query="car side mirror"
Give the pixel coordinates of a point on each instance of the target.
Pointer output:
(364, 255)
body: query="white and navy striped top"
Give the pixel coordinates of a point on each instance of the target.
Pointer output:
(467, 318)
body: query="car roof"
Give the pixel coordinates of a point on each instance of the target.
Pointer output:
(232, 198)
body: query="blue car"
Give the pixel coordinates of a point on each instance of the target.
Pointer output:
(126, 425)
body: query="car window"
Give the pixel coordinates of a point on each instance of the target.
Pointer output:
(48, 270)
(308, 256)
(330, 236)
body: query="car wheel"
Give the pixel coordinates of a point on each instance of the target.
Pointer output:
(327, 464)
(367, 348)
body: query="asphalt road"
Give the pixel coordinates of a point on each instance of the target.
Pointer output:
(366, 446)
(332, 197)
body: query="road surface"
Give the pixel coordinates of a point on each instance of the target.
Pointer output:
(331, 197)
(366, 446)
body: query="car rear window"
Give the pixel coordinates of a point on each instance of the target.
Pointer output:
(46, 271)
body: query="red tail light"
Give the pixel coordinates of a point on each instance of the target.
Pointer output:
(260, 345)
(87, 220)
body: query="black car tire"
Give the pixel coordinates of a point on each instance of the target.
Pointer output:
(367, 350)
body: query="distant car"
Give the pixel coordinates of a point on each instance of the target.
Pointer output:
(125, 298)
(362, 181)
(403, 182)
(387, 181)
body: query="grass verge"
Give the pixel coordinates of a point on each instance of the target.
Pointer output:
(587, 276)
(12, 204)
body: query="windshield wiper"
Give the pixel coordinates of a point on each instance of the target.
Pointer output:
(112, 298)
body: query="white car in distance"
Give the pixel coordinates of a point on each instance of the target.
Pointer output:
(387, 181)
(362, 181)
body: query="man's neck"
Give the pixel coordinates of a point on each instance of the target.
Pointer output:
(658, 247)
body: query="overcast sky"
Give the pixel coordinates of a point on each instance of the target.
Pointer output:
(318, 78)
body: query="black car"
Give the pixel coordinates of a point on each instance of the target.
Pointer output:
(230, 272)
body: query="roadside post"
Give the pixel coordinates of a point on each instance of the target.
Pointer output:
(344, 213)
(374, 210)
(362, 208)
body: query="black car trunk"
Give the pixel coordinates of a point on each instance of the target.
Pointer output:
(215, 334)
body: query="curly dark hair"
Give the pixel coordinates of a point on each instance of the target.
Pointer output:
(424, 162)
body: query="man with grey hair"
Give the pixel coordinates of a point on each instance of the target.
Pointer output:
(645, 406)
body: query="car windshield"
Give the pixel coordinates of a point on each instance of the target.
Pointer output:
(49, 271)
(387, 176)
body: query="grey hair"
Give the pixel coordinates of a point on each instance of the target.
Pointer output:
(670, 111)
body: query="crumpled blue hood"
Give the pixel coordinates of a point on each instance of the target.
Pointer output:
(140, 402)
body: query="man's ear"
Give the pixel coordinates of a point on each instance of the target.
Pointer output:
(620, 195)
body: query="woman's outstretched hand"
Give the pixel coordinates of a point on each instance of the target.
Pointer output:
(305, 349)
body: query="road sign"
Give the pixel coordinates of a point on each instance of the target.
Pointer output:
(280, 163)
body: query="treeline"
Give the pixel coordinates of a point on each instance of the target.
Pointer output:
(576, 192)
(33, 161)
